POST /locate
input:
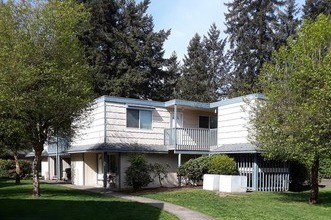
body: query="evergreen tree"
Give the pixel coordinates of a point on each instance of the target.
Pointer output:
(288, 23)
(217, 67)
(252, 39)
(126, 53)
(166, 90)
(313, 8)
(193, 84)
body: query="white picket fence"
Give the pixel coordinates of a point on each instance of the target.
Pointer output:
(269, 176)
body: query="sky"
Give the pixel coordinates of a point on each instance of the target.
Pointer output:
(187, 17)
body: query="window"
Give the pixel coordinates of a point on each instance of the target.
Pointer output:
(137, 118)
(207, 122)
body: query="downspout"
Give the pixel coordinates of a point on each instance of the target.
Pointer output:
(105, 122)
(83, 155)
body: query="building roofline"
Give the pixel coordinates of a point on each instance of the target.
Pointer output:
(237, 100)
(178, 102)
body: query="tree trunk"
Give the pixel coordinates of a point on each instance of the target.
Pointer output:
(17, 169)
(314, 181)
(36, 187)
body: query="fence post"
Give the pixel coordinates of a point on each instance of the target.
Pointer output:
(255, 173)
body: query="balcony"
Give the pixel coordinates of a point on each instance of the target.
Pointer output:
(190, 139)
(57, 145)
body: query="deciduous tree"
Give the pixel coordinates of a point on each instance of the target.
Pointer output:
(294, 122)
(44, 79)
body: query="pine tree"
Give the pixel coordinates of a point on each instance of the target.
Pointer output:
(217, 67)
(313, 8)
(127, 54)
(252, 40)
(168, 80)
(193, 84)
(288, 23)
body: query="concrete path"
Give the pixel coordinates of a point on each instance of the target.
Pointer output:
(181, 212)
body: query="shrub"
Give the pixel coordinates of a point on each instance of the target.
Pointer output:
(138, 173)
(8, 168)
(5, 166)
(160, 171)
(222, 164)
(299, 176)
(193, 170)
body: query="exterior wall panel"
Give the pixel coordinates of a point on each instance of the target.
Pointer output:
(77, 169)
(92, 127)
(117, 132)
(90, 164)
(233, 123)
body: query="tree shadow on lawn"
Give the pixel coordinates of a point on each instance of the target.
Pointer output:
(64, 209)
(58, 202)
(324, 197)
(10, 183)
(48, 190)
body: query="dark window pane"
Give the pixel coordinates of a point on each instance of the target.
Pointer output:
(203, 122)
(132, 118)
(213, 122)
(112, 166)
(145, 119)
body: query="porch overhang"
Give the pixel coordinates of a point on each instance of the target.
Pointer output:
(118, 147)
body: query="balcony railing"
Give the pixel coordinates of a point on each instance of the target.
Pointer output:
(190, 139)
(57, 145)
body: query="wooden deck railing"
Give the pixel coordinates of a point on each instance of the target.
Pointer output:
(190, 139)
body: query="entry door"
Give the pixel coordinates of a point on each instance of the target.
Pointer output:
(179, 120)
(179, 125)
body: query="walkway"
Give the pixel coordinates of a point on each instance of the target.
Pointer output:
(181, 212)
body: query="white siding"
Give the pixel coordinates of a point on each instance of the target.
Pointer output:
(233, 123)
(92, 127)
(117, 132)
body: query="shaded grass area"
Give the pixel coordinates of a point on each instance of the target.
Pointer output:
(58, 202)
(255, 205)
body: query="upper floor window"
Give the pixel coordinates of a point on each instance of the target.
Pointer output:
(207, 122)
(138, 118)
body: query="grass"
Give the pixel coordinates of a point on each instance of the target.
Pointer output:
(59, 202)
(255, 205)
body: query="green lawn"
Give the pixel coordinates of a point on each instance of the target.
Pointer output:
(59, 202)
(254, 205)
